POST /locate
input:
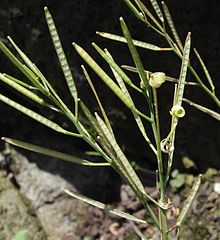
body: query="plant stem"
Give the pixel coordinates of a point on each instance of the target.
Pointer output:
(178, 53)
(158, 138)
(203, 86)
(162, 213)
(192, 70)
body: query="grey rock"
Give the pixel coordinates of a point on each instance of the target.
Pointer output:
(59, 214)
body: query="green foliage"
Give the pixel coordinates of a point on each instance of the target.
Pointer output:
(20, 235)
(102, 138)
(177, 180)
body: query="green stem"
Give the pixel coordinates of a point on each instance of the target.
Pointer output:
(149, 119)
(161, 31)
(192, 70)
(158, 140)
(203, 86)
(151, 213)
(162, 213)
(171, 139)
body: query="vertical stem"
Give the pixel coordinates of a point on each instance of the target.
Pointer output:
(171, 153)
(162, 213)
(158, 139)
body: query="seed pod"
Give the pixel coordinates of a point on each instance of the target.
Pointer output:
(157, 79)
(177, 111)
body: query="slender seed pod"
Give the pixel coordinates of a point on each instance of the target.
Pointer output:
(23, 90)
(189, 201)
(183, 72)
(137, 43)
(172, 26)
(52, 153)
(36, 116)
(104, 76)
(157, 10)
(62, 59)
(103, 206)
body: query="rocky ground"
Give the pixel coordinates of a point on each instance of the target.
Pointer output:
(32, 199)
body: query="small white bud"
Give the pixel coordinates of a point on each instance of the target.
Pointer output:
(156, 79)
(177, 111)
(142, 86)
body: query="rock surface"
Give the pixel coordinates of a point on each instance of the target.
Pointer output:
(15, 214)
(58, 214)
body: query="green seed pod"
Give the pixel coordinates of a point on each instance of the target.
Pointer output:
(177, 111)
(156, 79)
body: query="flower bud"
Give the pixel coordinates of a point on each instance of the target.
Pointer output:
(177, 111)
(156, 79)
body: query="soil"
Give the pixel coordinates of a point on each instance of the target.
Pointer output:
(16, 212)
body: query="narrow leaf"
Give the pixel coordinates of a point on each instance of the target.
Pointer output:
(23, 90)
(20, 82)
(90, 118)
(62, 58)
(91, 141)
(134, 10)
(205, 71)
(137, 43)
(24, 57)
(93, 153)
(140, 8)
(118, 77)
(116, 163)
(145, 9)
(123, 160)
(103, 141)
(189, 201)
(32, 67)
(134, 53)
(128, 171)
(36, 116)
(34, 75)
(24, 69)
(103, 206)
(172, 26)
(104, 76)
(136, 116)
(203, 109)
(52, 153)
(20, 235)
(113, 64)
(97, 98)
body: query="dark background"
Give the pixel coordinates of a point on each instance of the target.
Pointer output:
(198, 134)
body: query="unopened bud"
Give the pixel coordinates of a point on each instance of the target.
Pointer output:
(156, 79)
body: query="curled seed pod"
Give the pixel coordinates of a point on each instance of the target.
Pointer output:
(177, 111)
(156, 79)
(166, 146)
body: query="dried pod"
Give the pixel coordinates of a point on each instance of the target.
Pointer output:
(114, 228)
(156, 79)
(177, 111)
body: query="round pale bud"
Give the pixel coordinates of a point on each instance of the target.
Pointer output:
(177, 111)
(156, 79)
